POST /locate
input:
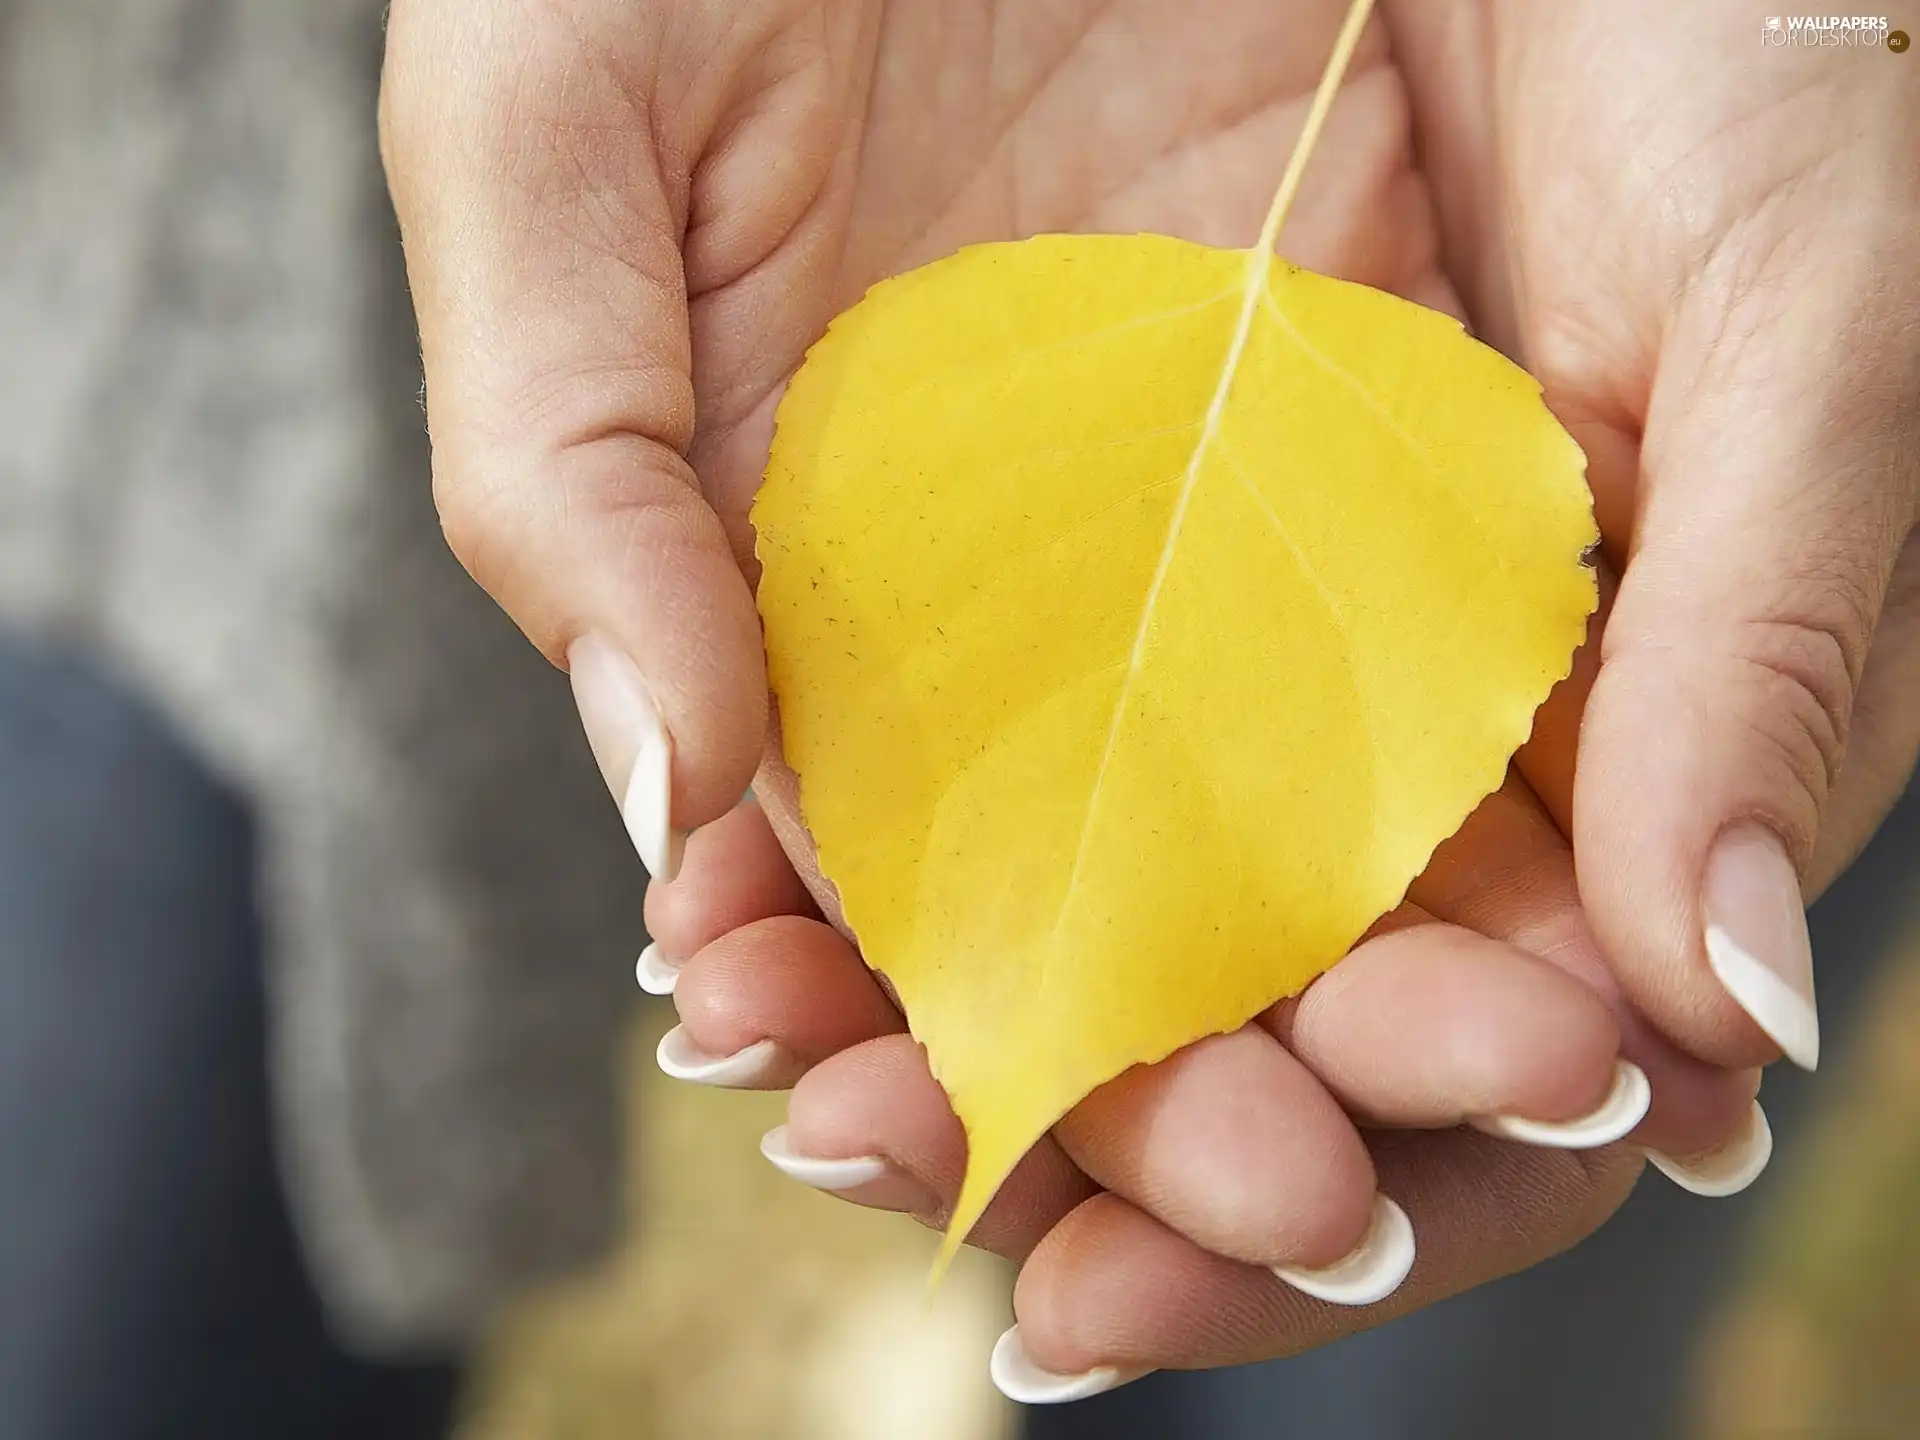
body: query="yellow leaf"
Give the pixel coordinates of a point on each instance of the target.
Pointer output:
(1141, 616)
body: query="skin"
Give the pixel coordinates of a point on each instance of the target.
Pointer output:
(625, 224)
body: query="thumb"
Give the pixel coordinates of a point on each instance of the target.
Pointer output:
(1776, 489)
(541, 225)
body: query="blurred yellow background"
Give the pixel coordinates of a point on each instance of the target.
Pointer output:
(744, 1306)
(1820, 1340)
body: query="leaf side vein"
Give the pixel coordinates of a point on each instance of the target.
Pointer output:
(1350, 380)
(1025, 355)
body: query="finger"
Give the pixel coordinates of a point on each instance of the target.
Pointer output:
(1430, 1025)
(1112, 1293)
(762, 1004)
(734, 873)
(541, 203)
(1777, 486)
(873, 1126)
(1509, 874)
(790, 998)
(1232, 1143)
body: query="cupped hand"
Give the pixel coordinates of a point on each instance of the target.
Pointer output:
(623, 228)
(1708, 250)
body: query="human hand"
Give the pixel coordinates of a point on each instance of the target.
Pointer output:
(1708, 250)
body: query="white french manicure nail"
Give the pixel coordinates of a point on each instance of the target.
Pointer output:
(763, 1065)
(820, 1174)
(1019, 1379)
(1757, 942)
(882, 1185)
(655, 972)
(1727, 1170)
(631, 744)
(1612, 1119)
(1374, 1268)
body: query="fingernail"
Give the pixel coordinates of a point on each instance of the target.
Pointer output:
(1019, 1379)
(1728, 1170)
(631, 744)
(881, 1184)
(763, 1065)
(820, 1174)
(1757, 938)
(1372, 1271)
(1612, 1119)
(656, 973)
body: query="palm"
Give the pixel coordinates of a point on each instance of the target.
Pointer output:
(990, 122)
(979, 122)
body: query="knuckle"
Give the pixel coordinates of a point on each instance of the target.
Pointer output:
(596, 397)
(1805, 671)
(621, 496)
(477, 522)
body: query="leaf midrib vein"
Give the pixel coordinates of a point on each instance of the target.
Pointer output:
(1259, 264)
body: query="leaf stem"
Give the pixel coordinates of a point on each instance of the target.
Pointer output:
(1343, 48)
(1259, 265)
